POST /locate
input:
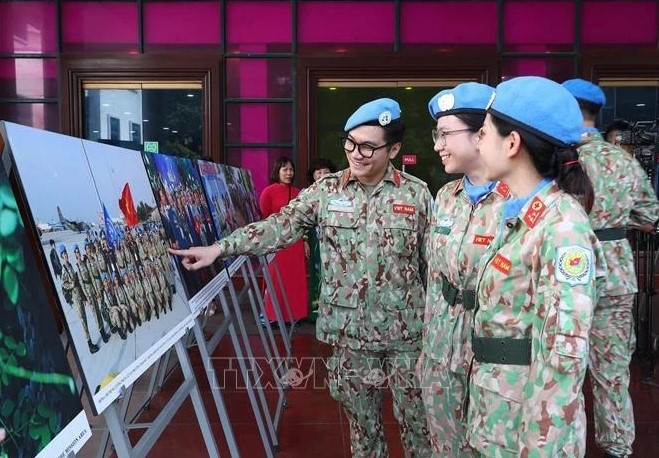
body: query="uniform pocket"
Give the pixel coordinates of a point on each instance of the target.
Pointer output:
(495, 405)
(399, 235)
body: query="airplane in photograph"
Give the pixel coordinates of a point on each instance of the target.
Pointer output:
(76, 226)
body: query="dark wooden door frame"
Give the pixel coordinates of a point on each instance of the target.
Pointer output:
(619, 63)
(482, 67)
(78, 69)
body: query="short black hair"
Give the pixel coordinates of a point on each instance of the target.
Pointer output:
(320, 163)
(617, 124)
(590, 110)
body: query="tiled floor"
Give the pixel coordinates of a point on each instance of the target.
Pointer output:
(312, 423)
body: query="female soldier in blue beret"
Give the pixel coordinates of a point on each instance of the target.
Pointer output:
(463, 224)
(536, 287)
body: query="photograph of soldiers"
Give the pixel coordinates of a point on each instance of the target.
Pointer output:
(101, 265)
(187, 220)
(237, 192)
(217, 192)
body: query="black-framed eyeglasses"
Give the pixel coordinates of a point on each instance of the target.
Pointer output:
(440, 135)
(364, 150)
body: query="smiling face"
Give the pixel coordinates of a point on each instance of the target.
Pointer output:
(370, 171)
(456, 145)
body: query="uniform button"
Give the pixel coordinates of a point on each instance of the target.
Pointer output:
(510, 225)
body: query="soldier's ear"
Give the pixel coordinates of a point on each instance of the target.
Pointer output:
(394, 150)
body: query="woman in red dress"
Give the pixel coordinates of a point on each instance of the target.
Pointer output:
(290, 261)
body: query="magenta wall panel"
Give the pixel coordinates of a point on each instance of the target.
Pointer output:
(346, 22)
(182, 23)
(28, 78)
(39, 115)
(619, 22)
(28, 27)
(538, 22)
(259, 22)
(449, 22)
(99, 26)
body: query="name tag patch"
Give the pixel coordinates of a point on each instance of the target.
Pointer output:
(404, 208)
(502, 264)
(482, 239)
(573, 265)
(341, 205)
(444, 225)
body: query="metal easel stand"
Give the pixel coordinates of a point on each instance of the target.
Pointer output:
(287, 335)
(253, 377)
(647, 257)
(118, 429)
(652, 340)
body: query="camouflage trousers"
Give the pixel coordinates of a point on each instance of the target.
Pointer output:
(612, 342)
(444, 395)
(357, 379)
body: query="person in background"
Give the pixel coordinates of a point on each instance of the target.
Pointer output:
(619, 134)
(537, 282)
(55, 261)
(374, 224)
(318, 169)
(464, 222)
(623, 197)
(290, 260)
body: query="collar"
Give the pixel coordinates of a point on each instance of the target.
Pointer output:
(501, 188)
(392, 175)
(589, 132)
(529, 208)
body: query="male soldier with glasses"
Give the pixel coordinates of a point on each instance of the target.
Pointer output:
(373, 224)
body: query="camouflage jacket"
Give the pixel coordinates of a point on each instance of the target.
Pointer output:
(623, 195)
(459, 235)
(538, 280)
(371, 251)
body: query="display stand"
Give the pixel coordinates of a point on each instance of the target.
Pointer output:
(118, 429)
(647, 256)
(264, 262)
(234, 324)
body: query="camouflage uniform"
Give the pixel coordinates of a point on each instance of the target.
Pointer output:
(74, 295)
(372, 294)
(536, 292)
(459, 235)
(623, 194)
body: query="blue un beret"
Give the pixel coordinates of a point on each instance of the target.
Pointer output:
(61, 248)
(585, 90)
(463, 98)
(540, 105)
(382, 110)
(76, 247)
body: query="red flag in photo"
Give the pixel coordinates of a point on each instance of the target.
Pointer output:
(127, 207)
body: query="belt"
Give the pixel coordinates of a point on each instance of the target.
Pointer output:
(611, 233)
(503, 350)
(452, 294)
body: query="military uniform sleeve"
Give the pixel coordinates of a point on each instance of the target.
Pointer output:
(424, 235)
(646, 207)
(277, 231)
(567, 295)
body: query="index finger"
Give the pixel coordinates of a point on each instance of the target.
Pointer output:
(178, 252)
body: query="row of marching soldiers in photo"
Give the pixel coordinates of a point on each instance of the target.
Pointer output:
(124, 285)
